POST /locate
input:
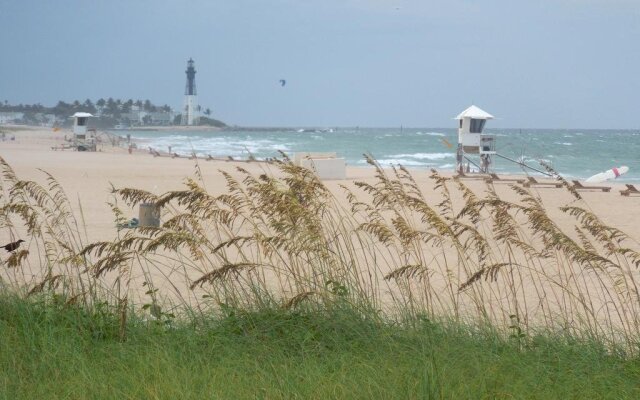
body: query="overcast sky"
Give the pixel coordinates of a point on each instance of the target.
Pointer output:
(533, 64)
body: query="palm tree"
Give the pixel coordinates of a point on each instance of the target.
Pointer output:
(88, 104)
(126, 106)
(112, 107)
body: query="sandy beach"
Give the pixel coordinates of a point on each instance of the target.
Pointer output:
(87, 178)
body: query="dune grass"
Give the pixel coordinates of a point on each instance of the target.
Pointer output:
(288, 294)
(58, 351)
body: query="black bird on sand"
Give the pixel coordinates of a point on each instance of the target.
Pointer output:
(12, 246)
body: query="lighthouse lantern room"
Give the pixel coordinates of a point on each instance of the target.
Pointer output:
(471, 140)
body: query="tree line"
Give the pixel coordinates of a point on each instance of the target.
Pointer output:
(112, 111)
(111, 107)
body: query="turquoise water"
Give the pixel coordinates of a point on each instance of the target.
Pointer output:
(573, 153)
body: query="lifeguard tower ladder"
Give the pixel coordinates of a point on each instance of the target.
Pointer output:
(471, 140)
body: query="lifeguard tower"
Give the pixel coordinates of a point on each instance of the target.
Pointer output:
(471, 140)
(81, 140)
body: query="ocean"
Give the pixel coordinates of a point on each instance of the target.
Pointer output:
(574, 153)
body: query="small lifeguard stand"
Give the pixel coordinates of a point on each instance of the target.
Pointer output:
(471, 140)
(80, 139)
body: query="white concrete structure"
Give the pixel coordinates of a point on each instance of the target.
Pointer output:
(325, 165)
(80, 123)
(471, 123)
(190, 114)
(7, 117)
(80, 139)
(299, 157)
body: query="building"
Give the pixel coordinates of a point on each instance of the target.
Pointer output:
(11, 117)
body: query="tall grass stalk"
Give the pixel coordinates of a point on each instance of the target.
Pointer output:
(281, 240)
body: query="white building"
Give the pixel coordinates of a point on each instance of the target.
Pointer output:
(10, 117)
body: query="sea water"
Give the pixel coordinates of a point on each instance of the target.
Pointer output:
(575, 154)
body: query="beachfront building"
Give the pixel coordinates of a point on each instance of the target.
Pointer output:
(140, 118)
(160, 118)
(10, 117)
(471, 140)
(47, 119)
(190, 113)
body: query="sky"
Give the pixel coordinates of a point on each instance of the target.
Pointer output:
(370, 63)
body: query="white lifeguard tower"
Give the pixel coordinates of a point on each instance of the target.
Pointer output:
(471, 140)
(80, 128)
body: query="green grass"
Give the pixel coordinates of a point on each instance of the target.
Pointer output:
(54, 351)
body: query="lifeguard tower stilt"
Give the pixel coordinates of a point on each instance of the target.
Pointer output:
(471, 140)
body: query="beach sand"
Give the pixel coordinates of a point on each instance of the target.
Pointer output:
(87, 178)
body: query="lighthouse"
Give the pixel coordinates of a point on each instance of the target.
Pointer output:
(191, 108)
(471, 140)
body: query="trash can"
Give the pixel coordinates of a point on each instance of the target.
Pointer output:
(149, 215)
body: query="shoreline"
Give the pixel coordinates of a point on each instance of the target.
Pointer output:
(163, 128)
(32, 151)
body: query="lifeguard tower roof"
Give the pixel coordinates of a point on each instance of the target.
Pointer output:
(475, 113)
(81, 115)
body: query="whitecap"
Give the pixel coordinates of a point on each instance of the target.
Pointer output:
(400, 161)
(425, 156)
(430, 134)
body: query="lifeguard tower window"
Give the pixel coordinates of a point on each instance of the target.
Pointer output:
(477, 125)
(487, 144)
(82, 121)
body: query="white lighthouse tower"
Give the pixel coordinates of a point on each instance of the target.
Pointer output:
(471, 140)
(190, 114)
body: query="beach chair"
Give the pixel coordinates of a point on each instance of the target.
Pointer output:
(579, 186)
(531, 181)
(631, 189)
(493, 177)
